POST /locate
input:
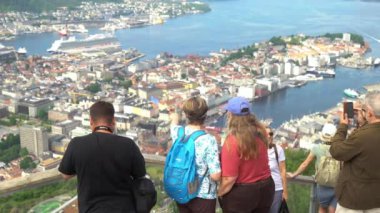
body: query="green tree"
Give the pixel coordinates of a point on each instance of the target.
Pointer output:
(294, 158)
(23, 152)
(10, 148)
(277, 41)
(299, 195)
(126, 84)
(295, 41)
(94, 88)
(42, 114)
(358, 39)
(27, 163)
(22, 201)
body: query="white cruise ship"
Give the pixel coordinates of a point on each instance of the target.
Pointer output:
(93, 43)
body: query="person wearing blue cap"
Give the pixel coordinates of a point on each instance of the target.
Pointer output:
(246, 185)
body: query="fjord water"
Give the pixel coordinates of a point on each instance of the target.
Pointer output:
(236, 23)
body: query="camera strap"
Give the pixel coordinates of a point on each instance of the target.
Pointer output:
(104, 128)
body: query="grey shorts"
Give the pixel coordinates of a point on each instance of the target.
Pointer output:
(326, 196)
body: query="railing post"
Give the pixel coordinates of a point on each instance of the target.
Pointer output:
(313, 207)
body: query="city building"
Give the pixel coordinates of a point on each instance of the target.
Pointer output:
(3, 111)
(346, 37)
(123, 122)
(58, 144)
(64, 127)
(34, 139)
(49, 163)
(79, 131)
(31, 106)
(247, 92)
(56, 115)
(7, 54)
(141, 108)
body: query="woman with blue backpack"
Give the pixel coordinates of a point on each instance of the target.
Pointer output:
(192, 166)
(246, 185)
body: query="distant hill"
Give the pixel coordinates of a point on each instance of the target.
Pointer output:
(42, 5)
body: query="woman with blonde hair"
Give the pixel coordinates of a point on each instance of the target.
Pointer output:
(246, 185)
(206, 156)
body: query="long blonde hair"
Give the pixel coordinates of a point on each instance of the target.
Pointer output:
(246, 129)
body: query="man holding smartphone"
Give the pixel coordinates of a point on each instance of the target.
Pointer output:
(358, 187)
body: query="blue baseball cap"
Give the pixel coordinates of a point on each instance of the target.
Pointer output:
(238, 106)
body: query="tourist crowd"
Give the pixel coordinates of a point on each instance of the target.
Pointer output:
(246, 174)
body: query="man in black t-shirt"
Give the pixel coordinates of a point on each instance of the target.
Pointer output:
(105, 165)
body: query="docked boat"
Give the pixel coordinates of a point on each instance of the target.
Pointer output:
(94, 43)
(376, 62)
(77, 28)
(296, 83)
(22, 50)
(306, 77)
(351, 93)
(328, 73)
(63, 32)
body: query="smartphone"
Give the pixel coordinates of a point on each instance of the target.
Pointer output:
(348, 108)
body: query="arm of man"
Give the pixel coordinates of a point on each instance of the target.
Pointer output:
(138, 165)
(67, 165)
(343, 149)
(66, 177)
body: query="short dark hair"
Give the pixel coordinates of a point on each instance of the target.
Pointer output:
(102, 110)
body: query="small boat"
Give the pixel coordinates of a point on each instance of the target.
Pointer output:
(351, 93)
(296, 83)
(63, 32)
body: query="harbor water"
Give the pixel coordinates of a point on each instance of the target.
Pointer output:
(236, 23)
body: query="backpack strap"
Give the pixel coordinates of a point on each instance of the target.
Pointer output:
(194, 135)
(276, 153)
(180, 133)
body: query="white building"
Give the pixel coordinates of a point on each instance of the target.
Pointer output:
(297, 70)
(272, 85)
(79, 131)
(288, 68)
(346, 37)
(247, 92)
(313, 61)
(34, 139)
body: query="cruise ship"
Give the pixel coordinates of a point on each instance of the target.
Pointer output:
(93, 43)
(328, 73)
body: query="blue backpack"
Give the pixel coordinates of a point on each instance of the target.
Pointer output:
(181, 181)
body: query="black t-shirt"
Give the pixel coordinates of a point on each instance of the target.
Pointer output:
(105, 165)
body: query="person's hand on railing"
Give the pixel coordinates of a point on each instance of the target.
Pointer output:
(291, 175)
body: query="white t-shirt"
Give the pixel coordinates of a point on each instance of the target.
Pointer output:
(274, 168)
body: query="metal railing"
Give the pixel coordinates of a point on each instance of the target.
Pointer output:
(309, 181)
(304, 180)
